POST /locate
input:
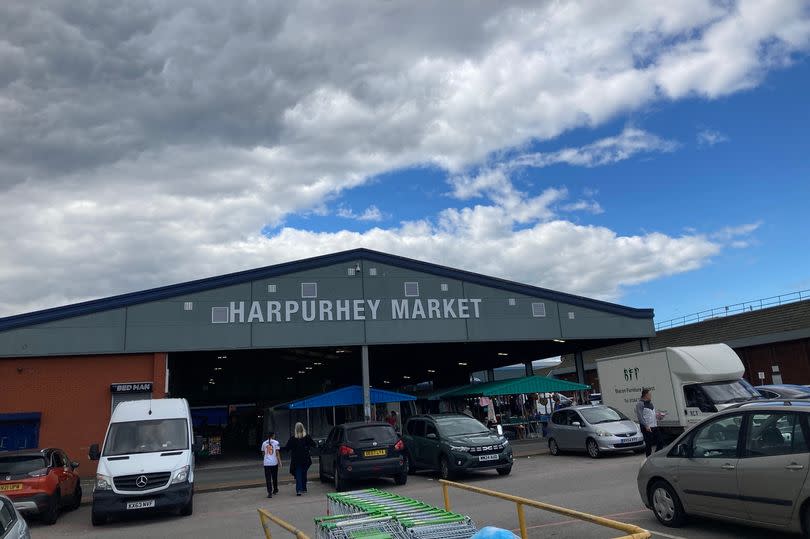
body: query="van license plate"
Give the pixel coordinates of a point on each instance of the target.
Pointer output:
(143, 504)
(483, 458)
(375, 453)
(12, 486)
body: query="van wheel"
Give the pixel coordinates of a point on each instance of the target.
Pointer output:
(553, 448)
(52, 512)
(188, 509)
(98, 519)
(593, 448)
(77, 497)
(666, 505)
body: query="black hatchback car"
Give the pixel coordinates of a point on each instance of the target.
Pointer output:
(362, 451)
(454, 443)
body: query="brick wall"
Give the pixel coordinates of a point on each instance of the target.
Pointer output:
(73, 395)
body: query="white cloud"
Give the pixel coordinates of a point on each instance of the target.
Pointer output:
(589, 206)
(372, 213)
(729, 233)
(710, 137)
(602, 152)
(144, 143)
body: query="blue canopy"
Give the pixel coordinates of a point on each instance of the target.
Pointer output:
(346, 396)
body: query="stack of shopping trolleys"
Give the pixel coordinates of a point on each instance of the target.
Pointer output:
(376, 514)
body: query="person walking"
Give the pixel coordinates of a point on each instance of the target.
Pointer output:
(300, 460)
(648, 420)
(272, 458)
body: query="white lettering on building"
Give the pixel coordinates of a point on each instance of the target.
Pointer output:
(326, 310)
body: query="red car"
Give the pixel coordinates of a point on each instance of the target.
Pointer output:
(40, 481)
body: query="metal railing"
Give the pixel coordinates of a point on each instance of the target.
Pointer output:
(737, 308)
(266, 518)
(631, 531)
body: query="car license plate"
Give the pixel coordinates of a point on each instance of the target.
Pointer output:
(483, 458)
(143, 504)
(631, 440)
(11, 486)
(375, 453)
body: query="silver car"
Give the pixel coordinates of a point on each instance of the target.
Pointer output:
(12, 524)
(746, 464)
(593, 429)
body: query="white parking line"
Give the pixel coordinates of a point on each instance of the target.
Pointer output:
(668, 536)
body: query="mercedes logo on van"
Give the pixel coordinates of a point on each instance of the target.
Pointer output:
(141, 481)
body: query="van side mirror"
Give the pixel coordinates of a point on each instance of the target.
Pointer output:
(94, 453)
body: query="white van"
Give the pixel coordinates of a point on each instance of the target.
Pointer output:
(147, 462)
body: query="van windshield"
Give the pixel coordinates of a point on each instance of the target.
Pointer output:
(146, 437)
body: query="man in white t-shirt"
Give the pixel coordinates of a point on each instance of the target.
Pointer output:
(272, 457)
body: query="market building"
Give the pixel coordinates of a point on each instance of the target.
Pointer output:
(235, 345)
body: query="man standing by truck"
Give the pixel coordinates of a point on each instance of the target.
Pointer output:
(647, 418)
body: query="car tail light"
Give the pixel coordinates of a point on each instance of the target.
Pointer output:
(345, 450)
(399, 446)
(42, 472)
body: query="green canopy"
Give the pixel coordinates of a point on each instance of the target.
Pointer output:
(516, 386)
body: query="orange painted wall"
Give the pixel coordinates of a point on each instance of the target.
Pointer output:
(73, 395)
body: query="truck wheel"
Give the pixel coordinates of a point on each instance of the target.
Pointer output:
(50, 514)
(666, 505)
(98, 519)
(553, 448)
(593, 448)
(188, 509)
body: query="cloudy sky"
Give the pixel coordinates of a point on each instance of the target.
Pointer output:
(649, 153)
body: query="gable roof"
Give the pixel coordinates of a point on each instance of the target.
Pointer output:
(230, 279)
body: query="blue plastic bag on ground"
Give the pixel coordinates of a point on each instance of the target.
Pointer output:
(491, 532)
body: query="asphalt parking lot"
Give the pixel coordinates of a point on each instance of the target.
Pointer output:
(604, 487)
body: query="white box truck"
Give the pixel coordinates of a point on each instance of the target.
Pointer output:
(688, 383)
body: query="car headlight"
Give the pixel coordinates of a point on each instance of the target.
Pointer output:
(103, 482)
(603, 433)
(181, 475)
(460, 448)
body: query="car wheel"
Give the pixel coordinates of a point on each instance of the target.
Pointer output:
(444, 468)
(593, 448)
(402, 478)
(188, 509)
(666, 505)
(76, 500)
(505, 471)
(553, 448)
(50, 514)
(98, 519)
(411, 466)
(340, 484)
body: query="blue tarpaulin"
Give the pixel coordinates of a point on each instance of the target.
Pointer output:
(346, 396)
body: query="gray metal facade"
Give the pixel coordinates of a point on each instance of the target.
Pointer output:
(273, 307)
